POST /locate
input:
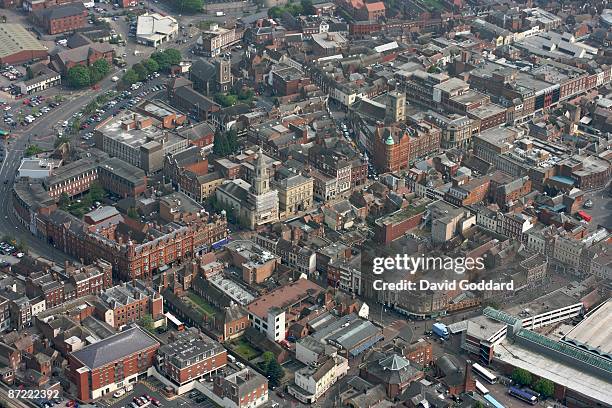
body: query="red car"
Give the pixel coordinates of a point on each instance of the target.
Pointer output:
(155, 402)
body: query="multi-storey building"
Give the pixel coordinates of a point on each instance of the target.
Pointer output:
(128, 303)
(292, 255)
(122, 178)
(130, 259)
(47, 285)
(216, 39)
(190, 356)
(138, 139)
(57, 20)
(107, 365)
(295, 192)
(72, 179)
(313, 381)
(243, 389)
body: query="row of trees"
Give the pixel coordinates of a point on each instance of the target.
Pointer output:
(230, 99)
(81, 76)
(226, 143)
(304, 7)
(159, 61)
(188, 6)
(523, 377)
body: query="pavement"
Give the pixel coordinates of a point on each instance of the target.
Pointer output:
(602, 208)
(153, 388)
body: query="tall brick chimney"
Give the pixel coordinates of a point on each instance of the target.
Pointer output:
(469, 384)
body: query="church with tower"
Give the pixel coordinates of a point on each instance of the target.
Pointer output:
(252, 204)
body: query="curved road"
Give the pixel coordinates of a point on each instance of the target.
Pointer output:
(15, 146)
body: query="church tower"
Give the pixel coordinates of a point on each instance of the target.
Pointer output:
(396, 107)
(261, 181)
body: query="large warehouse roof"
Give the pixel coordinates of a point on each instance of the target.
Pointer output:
(594, 332)
(15, 38)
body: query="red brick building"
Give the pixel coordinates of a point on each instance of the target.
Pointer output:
(130, 259)
(129, 303)
(48, 285)
(61, 19)
(232, 321)
(122, 178)
(392, 226)
(246, 388)
(391, 149)
(105, 366)
(469, 192)
(191, 356)
(504, 189)
(84, 55)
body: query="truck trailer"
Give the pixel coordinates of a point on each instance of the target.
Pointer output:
(440, 330)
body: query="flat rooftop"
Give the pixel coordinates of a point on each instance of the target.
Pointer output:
(138, 136)
(284, 297)
(594, 333)
(560, 372)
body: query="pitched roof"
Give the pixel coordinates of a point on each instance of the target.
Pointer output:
(114, 348)
(81, 53)
(15, 38)
(54, 13)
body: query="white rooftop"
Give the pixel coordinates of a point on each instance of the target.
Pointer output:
(557, 371)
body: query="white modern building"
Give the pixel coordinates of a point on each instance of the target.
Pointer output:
(155, 29)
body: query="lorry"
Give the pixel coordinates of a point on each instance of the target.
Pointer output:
(440, 330)
(220, 13)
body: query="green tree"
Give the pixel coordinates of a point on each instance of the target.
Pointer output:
(96, 192)
(78, 77)
(307, 7)
(521, 376)
(140, 70)
(232, 140)
(64, 200)
(76, 126)
(147, 322)
(545, 387)
(275, 373)
(226, 100)
(32, 150)
(29, 73)
(162, 60)
(189, 6)
(478, 404)
(129, 77)
(174, 56)
(90, 107)
(59, 98)
(132, 213)
(99, 70)
(22, 246)
(151, 65)
(275, 12)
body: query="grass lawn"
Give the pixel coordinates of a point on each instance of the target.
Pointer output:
(244, 349)
(202, 305)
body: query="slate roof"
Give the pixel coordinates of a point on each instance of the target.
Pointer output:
(68, 10)
(202, 69)
(114, 348)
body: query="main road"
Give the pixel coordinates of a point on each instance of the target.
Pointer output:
(42, 133)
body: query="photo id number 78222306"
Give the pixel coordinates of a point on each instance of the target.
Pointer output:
(33, 394)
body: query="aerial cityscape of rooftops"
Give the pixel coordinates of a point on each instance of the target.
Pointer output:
(295, 203)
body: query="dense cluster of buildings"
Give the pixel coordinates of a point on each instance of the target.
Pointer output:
(233, 220)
